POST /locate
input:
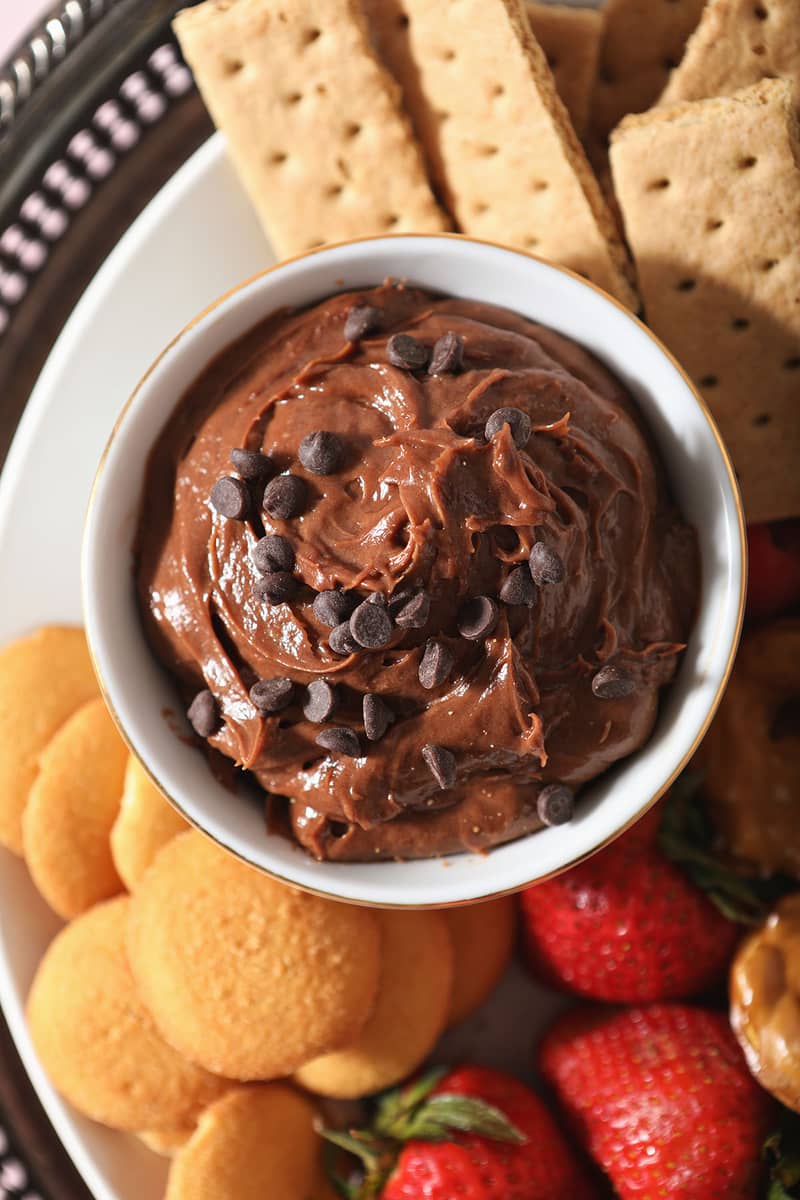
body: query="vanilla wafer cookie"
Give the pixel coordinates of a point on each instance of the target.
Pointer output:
(710, 194)
(44, 678)
(570, 38)
(313, 122)
(643, 40)
(498, 139)
(146, 821)
(483, 942)
(95, 1039)
(736, 44)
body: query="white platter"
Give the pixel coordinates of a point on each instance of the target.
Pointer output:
(195, 240)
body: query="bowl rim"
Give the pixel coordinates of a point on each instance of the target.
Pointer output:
(658, 793)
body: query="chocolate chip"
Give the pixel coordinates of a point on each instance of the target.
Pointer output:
(320, 702)
(276, 588)
(203, 714)
(371, 626)
(272, 695)
(377, 717)
(340, 740)
(400, 598)
(415, 612)
(448, 355)
(612, 683)
(252, 465)
(477, 617)
(786, 722)
(285, 497)
(376, 598)
(518, 421)
(361, 320)
(436, 664)
(406, 352)
(555, 804)
(230, 497)
(341, 640)
(333, 607)
(442, 765)
(518, 588)
(321, 452)
(273, 553)
(546, 566)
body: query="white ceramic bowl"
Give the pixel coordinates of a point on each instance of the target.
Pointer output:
(138, 691)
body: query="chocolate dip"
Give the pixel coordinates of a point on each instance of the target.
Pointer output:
(484, 444)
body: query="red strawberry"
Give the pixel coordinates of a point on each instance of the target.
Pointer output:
(627, 926)
(773, 577)
(425, 1144)
(662, 1100)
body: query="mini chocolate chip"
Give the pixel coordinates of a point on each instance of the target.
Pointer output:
(400, 598)
(276, 588)
(273, 553)
(333, 607)
(442, 765)
(320, 702)
(406, 352)
(377, 717)
(546, 566)
(477, 617)
(518, 588)
(361, 320)
(612, 683)
(415, 612)
(555, 804)
(252, 465)
(448, 355)
(341, 640)
(376, 598)
(518, 421)
(321, 452)
(203, 714)
(436, 664)
(340, 740)
(285, 497)
(371, 626)
(786, 722)
(272, 695)
(230, 498)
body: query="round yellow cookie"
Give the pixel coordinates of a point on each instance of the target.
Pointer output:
(243, 974)
(255, 1143)
(44, 677)
(483, 939)
(71, 808)
(146, 821)
(411, 1011)
(95, 1039)
(165, 1142)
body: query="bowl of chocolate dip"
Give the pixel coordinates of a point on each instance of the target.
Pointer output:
(413, 570)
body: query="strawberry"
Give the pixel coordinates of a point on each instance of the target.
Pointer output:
(472, 1133)
(662, 1099)
(627, 926)
(773, 577)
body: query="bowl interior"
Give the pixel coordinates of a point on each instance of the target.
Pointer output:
(144, 702)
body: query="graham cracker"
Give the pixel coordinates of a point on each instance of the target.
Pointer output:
(710, 195)
(312, 120)
(642, 41)
(737, 43)
(497, 137)
(570, 38)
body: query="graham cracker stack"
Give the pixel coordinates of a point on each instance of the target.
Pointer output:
(498, 139)
(642, 41)
(737, 43)
(570, 38)
(313, 122)
(710, 195)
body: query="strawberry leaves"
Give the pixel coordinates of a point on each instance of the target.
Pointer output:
(781, 1153)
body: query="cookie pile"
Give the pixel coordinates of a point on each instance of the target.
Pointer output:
(185, 974)
(353, 117)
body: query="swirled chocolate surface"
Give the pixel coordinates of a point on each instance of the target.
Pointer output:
(422, 501)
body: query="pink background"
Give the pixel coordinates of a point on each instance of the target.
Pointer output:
(17, 17)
